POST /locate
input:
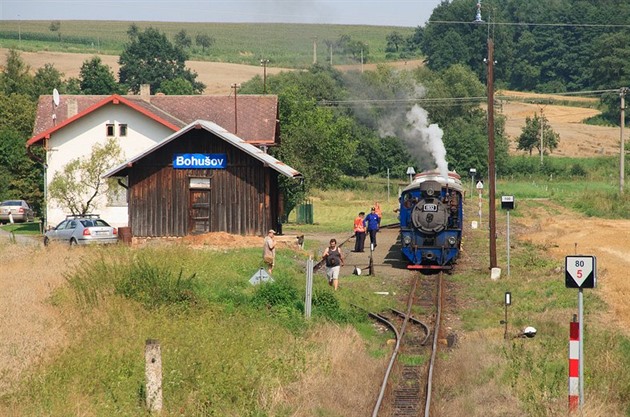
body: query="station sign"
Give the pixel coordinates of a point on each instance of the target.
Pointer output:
(200, 161)
(580, 271)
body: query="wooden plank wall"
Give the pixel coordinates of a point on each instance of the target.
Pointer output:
(243, 197)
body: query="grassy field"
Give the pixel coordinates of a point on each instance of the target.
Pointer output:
(286, 45)
(233, 349)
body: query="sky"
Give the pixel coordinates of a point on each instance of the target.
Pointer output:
(410, 13)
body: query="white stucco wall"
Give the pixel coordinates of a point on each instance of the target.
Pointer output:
(77, 139)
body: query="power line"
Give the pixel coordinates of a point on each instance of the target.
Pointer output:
(588, 25)
(457, 100)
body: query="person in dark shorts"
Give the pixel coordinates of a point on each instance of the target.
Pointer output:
(334, 261)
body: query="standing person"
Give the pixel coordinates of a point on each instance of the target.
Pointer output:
(269, 250)
(372, 223)
(377, 210)
(334, 262)
(359, 233)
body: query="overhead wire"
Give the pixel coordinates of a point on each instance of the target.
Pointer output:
(455, 100)
(594, 25)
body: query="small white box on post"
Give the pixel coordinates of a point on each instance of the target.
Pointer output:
(153, 375)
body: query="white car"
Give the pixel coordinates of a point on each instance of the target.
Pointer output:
(82, 230)
(17, 211)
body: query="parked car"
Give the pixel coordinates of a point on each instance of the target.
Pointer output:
(82, 230)
(18, 210)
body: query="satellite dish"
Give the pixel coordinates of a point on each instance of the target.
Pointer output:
(56, 97)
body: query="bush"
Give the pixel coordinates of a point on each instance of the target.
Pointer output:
(154, 286)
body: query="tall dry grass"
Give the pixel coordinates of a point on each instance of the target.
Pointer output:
(341, 378)
(31, 328)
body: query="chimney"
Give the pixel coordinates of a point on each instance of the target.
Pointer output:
(145, 92)
(73, 107)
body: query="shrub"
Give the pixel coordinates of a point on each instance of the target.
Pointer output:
(154, 286)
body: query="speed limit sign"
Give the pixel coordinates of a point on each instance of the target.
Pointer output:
(580, 271)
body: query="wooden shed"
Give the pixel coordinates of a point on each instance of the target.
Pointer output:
(202, 179)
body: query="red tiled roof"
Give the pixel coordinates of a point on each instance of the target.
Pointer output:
(255, 122)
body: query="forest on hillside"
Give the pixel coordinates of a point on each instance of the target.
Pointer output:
(543, 46)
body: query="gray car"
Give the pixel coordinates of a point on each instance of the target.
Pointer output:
(17, 211)
(82, 230)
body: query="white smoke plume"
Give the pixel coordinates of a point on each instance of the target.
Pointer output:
(428, 136)
(422, 139)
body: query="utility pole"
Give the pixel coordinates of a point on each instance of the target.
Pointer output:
(263, 63)
(622, 147)
(235, 87)
(542, 129)
(491, 162)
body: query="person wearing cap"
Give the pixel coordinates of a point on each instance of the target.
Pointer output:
(372, 223)
(269, 250)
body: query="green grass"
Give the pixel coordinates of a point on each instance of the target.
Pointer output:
(285, 45)
(192, 300)
(31, 228)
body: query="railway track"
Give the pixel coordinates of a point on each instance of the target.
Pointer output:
(407, 385)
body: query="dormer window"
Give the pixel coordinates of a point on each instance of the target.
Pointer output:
(109, 129)
(122, 130)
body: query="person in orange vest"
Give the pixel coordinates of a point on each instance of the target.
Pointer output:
(377, 210)
(359, 233)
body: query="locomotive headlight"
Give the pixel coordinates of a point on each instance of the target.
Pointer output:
(430, 191)
(452, 240)
(407, 240)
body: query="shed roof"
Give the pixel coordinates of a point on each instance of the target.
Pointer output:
(253, 151)
(255, 121)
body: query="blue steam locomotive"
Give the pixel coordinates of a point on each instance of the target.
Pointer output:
(431, 219)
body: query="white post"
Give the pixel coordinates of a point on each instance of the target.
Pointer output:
(309, 288)
(480, 201)
(581, 364)
(388, 185)
(153, 375)
(508, 243)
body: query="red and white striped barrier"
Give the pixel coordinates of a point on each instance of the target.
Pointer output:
(574, 365)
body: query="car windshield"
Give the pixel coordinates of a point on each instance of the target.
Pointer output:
(11, 203)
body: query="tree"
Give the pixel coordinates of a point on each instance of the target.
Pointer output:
(16, 77)
(394, 41)
(17, 112)
(133, 31)
(150, 58)
(20, 177)
(205, 41)
(46, 79)
(178, 86)
(182, 39)
(78, 185)
(55, 26)
(530, 136)
(97, 78)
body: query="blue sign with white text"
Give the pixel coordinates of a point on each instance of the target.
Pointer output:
(200, 161)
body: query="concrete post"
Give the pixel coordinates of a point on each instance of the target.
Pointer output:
(153, 375)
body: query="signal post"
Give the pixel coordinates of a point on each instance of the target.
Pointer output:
(580, 272)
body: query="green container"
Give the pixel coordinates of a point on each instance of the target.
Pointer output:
(305, 213)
